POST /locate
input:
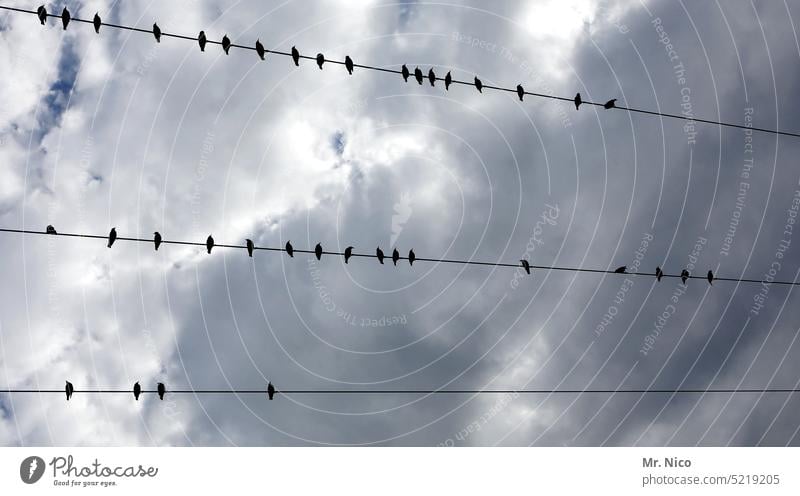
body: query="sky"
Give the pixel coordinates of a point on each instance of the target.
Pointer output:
(115, 130)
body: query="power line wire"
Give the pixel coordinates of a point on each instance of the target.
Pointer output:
(421, 391)
(406, 258)
(436, 78)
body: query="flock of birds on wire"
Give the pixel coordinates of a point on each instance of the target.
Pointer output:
(161, 389)
(348, 62)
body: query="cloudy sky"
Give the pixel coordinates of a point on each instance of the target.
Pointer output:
(114, 130)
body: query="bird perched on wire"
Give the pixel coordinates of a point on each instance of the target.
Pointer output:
(318, 251)
(431, 77)
(320, 60)
(411, 257)
(270, 390)
(161, 390)
(51, 230)
(157, 239)
(418, 75)
(348, 252)
(69, 389)
(478, 85)
(289, 249)
(65, 18)
(448, 80)
(41, 13)
(97, 23)
(520, 92)
(620, 270)
(659, 274)
(250, 247)
(379, 254)
(112, 236)
(137, 390)
(157, 32)
(201, 40)
(260, 49)
(395, 257)
(577, 101)
(295, 56)
(226, 44)
(403, 71)
(684, 276)
(526, 265)
(710, 277)
(348, 64)
(209, 244)
(610, 104)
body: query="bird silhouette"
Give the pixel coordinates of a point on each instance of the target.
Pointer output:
(379, 254)
(520, 92)
(209, 244)
(161, 390)
(51, 230)
(659, 273)
(112, 236)
(260, 49)
(157, 239)
(404, 71)
(577, 100)
(610, 104)
(97, 22)
(431, 77)
(411, 257)
(65, 17)
(620, 270)
(710, 277)
(226, 44)
(348, 64)
(137, 390)
(348, 252)
(69, 389)
(250, 247)
(270, 390)
(395, 256)
(418, 75)
(295, 56)
(289, 249)
(526, 265)
(318, 251)
(320, 60)
(157, 32)
(41, 13)
(201, 40)
(448, 80)
(684, 276)
(478, 84)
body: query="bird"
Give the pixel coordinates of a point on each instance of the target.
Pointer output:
(411, 257)
(295, 56)
(431, 77)
(710, 277)
(51, 230)
(620, 270)
(41, 13)
(112, 236)
(478, 84)
(157, 32)
(137, 390)
(260, 49)
(610, 104)
(289, 249)
(201, 40)
(348, 252)
(320, 60)
(395, 256)
(318, 251)
(526, 265)
(577, 100)
(404, 71)
(161, 390)
(270, 390)
(348, 64)
(209, 244)
(69, 389)
(684, 276)
(97, 22)
(250, 247)
(520, 92)
(226, 44)
(379, 254)
(157, 239)
(659, 273)
(65, 17)
(448, 80)
(418, 75)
